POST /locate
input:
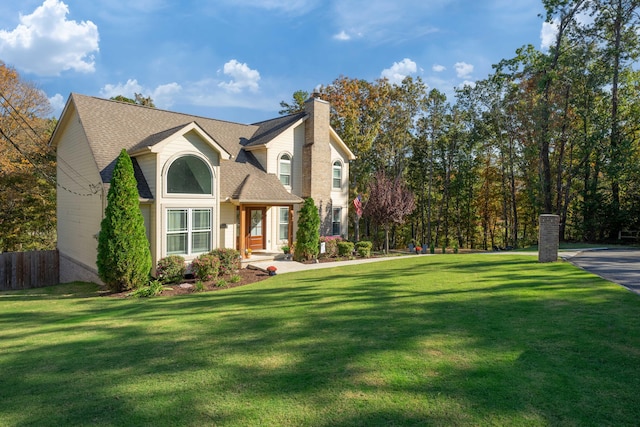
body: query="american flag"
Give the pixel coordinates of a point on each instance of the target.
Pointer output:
(357, 202)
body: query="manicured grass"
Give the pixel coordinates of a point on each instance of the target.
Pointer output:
(421, 340)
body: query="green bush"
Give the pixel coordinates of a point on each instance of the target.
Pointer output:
(432, 249)
(170, 269)
(308, 234)
(363, 248)
(345, 248)
(155, 287)
(330, 245)
(206, 267)
(124, 259)
(229, 260)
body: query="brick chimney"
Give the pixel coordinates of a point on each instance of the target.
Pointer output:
(316, 159)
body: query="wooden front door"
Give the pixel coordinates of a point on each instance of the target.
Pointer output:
(256, 228)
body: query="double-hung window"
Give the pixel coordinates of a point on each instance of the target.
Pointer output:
(336, 221)
(337, 175)
(285, 169)
(188, 231)
(283, 224)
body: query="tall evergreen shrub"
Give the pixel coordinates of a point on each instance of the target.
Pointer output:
(124, 259)
(308, 234)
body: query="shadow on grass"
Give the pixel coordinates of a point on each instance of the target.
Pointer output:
(431, 341)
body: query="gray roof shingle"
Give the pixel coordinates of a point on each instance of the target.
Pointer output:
(111, 126)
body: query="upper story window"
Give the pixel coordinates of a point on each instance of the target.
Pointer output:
(337, 175)
(189, 175)
(285, 169)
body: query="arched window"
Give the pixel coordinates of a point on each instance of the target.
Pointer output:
(285, 169)
(189, 175)
(337, 175)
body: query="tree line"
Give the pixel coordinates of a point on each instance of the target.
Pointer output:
(549, 131)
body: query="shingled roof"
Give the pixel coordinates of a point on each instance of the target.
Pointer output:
(111, 126)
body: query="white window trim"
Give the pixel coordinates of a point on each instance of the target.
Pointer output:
(280, 224)
(280, 156)
(189, 229)
(165, 177)
(333, 168)
(339, 209)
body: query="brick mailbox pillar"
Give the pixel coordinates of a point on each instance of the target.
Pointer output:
(548, 238)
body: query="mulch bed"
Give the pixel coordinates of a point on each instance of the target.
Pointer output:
(247, 276)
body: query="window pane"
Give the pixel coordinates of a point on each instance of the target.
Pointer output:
(285, 170)
(177, 244)
(201, 242)
(336, 221)
(201, 219)
(176, 220)
(256, 223)
(189, 175)
(283, 229)
(337, 175)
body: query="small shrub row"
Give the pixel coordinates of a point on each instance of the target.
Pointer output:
(330, 246)
(209, 266)
(363, 248)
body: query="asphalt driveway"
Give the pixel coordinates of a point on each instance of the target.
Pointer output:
(621, 266)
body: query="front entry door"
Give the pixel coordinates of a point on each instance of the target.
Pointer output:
(256, 228)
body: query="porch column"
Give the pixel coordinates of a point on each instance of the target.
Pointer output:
(243, 231)
(290, 233)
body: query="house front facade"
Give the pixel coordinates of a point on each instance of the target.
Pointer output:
(202, 183)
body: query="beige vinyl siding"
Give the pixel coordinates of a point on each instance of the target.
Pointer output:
(80, 195)
(147, 164)
(228, 216)
(291, 141)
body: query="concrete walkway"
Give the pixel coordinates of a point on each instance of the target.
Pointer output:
(289, 266)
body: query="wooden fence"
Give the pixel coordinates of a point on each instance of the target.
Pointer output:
(26, 270)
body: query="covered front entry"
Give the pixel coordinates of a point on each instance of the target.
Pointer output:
(254, 230)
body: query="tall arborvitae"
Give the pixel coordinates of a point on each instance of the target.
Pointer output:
(124, 259)
(308, 234)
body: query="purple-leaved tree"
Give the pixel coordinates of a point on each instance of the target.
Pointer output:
(390, 203)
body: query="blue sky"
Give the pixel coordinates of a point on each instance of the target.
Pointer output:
(237, 59)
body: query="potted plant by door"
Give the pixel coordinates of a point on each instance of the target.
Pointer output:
(247, 252)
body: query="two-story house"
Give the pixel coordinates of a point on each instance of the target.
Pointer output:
(203, 183)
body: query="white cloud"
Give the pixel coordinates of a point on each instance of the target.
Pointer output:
(129, 89)
(342, 36)
(295, 7)
(548, 34)
(384, 21)
(438, 68)
(399, 70)
(57, 102)
(467, 83)
(163, 96)
(46, 43)
(463, 70)
(241, 77)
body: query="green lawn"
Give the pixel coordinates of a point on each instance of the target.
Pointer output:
(422, 340)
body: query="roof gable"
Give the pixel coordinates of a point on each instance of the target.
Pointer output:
(156, 142)
(270, 129)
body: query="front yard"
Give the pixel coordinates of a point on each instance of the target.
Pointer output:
(442, 340)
